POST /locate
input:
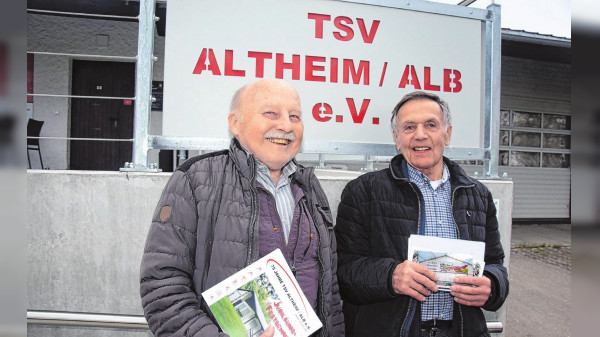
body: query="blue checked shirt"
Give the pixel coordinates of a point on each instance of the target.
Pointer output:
(284, 198)
(438, 222)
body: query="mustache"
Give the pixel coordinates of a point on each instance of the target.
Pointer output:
(288, 136)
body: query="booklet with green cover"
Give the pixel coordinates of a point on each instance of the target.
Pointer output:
(262, 294)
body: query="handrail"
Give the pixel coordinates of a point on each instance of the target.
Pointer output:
(43, 11)
(90, 139)
(92, 56)
(495, 327)
(86, 319)
(124, 321)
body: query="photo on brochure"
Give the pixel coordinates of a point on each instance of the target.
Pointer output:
(447, 266)
(448, 258)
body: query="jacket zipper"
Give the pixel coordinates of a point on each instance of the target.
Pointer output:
(410, 302)
(462, 332)
(411, 308)
(458, 234)
(254, 218)
(322, 270)
(452, 207)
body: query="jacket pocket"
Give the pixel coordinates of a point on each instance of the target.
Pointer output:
(325, 213)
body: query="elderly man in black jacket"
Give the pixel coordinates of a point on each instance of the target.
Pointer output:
(422, 192)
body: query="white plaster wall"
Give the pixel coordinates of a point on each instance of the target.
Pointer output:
(52, 74)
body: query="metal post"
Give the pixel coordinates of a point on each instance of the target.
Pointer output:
(368, 164)
(143, 88)
(493, 43)
(181, 157)
(321, 162)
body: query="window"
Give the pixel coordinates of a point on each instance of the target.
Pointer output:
(243, 309)
(534, 139)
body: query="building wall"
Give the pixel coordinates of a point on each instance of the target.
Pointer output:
(541, 88)
(52, 74)
(534, 85)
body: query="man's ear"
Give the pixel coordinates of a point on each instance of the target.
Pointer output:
(396, 140)
(449, 132)
(233, 123)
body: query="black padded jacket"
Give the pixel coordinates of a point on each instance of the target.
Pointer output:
(377, 214)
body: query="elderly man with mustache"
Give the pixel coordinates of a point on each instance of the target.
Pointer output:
(221, 211)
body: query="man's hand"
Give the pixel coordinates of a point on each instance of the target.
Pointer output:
(269, 332)
(475, 296)
(414, 280)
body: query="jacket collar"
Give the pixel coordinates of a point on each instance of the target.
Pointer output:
(243, 160)
(458, 177)
(246, 164)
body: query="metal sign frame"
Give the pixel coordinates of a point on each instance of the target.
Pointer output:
(491, 32)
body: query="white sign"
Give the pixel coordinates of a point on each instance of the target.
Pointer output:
(351, 63)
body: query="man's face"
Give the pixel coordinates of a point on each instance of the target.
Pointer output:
(269, 124)
(421, 136)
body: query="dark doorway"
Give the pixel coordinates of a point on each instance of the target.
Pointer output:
(101, 118)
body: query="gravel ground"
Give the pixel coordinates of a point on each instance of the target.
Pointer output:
(539, 303)
(558, 255)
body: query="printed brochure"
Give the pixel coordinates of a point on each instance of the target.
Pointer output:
(448, 258)
(262, 294)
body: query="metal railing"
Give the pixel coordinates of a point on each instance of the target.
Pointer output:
(86, 319)
(78, 14)
(123, 321)
(85, 56)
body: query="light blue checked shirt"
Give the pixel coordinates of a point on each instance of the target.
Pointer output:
(438, 222)
(284, 198)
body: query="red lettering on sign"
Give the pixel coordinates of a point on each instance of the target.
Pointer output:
(333, 70)
(409, 77)
(294, 66)
(315, 70)
(229, 71)
(383, 73)
(427, 81)
(319, 18)
(452, 80)
(343, 23)
(357, 117)
(260, 61)
(367, 38)
(310, 68)
(362, 71)
(213, 66)
(322, 112)
(338, 22)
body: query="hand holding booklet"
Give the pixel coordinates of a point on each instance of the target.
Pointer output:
(448, 258)
(262, 294)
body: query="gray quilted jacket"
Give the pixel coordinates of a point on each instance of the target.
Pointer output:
(205, 228)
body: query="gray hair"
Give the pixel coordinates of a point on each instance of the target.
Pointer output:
(421, 95)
